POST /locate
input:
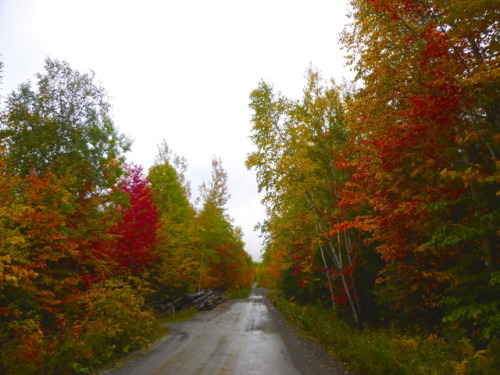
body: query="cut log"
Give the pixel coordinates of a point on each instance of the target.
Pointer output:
(205, 299)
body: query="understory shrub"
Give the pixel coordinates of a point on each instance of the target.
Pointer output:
(388, 351)
(115, 322)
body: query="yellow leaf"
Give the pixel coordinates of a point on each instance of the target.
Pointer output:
(421, 249)
(496, 139)
(472, 136)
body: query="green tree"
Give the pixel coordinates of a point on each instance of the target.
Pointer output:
(60, 160)
(179, 265)
(62, 125)
(225, 257)
(298, 144)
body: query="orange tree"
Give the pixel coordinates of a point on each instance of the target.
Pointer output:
(51, 262)
(61, 159)
(426, 125)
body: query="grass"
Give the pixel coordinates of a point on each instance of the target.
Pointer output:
(180, 316)
(387, 351)
(242, 292)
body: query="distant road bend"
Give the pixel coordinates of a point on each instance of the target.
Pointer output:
(241, 337)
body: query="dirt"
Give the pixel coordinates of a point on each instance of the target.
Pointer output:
(240, 337)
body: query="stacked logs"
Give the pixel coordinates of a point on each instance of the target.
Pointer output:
(205, 299)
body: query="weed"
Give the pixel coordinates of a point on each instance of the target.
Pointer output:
(238, 293)
(386, 351)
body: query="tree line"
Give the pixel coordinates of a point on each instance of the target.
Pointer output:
(89, 242)
(382, 194)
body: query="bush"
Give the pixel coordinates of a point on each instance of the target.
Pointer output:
(116, 321)
(387, 351)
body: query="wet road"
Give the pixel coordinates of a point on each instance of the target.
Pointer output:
(245, 337)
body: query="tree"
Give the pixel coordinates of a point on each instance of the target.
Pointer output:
(71, 231)
(179, 265)
(136, 230)
(216, 192)
(298, 143)
(425, 122)
(223, 245)
(63, 126)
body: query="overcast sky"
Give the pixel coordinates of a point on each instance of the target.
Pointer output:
(181, 70)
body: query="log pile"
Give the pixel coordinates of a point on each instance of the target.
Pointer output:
(205, 299)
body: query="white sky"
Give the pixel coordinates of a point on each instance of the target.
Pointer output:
(181, 70)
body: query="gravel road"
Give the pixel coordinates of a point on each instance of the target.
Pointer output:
(239, 337)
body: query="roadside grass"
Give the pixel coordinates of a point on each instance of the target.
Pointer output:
(180, 316)
(388, 351)
(238, 293)
(160, 330)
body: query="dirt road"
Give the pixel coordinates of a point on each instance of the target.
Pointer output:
(246, 337)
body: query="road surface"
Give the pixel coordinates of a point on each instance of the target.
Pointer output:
(240, 337)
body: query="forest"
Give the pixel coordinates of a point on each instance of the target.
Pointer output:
(381, 194)
(90, 243)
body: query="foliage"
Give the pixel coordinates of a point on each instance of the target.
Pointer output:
(116, 323)
(88, 242)
(391, 190)
(58, 170)
(179, 316)
(388, 351)
(136, 230)
(179, 265)
(242, 292)
(63, 126)
(299, 144)
(197, 249)
(228, 265)
(426, 124)
(382, 204)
